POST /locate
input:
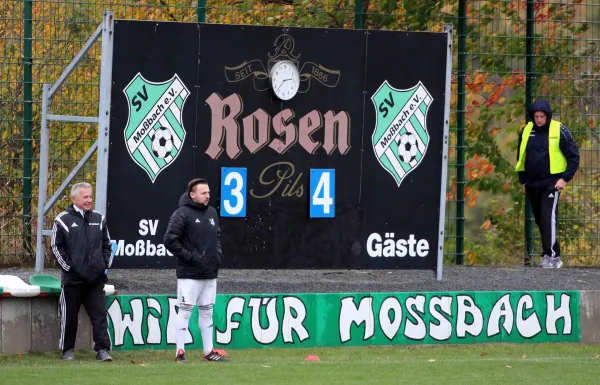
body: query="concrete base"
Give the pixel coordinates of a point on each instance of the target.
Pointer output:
(590, 317)
(16, 325)
(33, 324)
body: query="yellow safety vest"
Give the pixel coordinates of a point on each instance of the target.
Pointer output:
(558, 162)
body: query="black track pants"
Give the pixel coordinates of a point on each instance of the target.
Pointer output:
(93, 299)
(544, 204)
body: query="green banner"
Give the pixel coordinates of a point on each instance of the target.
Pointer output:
(353, 319)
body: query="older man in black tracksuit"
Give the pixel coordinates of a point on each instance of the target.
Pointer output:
(547, 158)
(81, 246)
(193, 237)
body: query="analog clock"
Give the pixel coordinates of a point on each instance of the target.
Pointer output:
(285, 79)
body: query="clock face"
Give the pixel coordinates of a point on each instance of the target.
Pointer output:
(285, 80)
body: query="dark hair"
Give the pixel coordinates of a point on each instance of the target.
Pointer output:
(194, 182)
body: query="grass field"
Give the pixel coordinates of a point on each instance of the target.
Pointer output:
(482, 364)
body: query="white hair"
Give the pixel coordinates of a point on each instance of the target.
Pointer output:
(78, 186)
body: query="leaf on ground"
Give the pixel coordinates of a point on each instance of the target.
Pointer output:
(483, 354)
(507, 366)
(524, 355)
(134, 363)
(431, 360)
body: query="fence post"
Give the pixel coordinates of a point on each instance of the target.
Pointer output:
(40, 254)
(201, 11)
(358, 15)
(27, 133)
(530, 76)
(460, 132)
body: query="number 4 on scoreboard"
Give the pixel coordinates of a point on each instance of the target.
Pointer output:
(322, 193)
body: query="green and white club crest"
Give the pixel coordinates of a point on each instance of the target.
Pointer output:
(400, 138)
(154, 134)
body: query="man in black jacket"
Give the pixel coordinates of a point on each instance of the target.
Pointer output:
(193, 237)
(82, 248)
(547, 158)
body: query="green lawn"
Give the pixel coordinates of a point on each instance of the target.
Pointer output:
(482, 364)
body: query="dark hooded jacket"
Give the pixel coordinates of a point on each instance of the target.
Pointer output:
(193, 236)
(537, 162)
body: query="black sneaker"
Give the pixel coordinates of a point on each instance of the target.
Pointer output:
(215, 357)
(68, 355)
(180, 358)
(103, 356)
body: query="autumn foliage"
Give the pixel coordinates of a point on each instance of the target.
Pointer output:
(565, 63)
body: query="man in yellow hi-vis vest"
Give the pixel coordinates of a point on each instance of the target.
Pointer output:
(547, 158)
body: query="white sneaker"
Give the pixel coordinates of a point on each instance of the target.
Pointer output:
(556, 263)
(546, 262)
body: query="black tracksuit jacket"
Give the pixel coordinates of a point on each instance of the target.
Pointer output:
(81, 246)
(193, 236)
(537, 162)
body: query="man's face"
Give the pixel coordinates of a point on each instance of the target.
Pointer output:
(83, 200)
(540, 118)
(200, 194)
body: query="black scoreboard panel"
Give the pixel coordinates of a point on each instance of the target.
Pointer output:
(322, 148)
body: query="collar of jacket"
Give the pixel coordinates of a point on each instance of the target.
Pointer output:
(544, 128)
(196, 206)
(77, 211)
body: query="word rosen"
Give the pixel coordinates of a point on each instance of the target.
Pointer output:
(225, 127)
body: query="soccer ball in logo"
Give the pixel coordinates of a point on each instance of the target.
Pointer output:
(407, 147)
(162, 143)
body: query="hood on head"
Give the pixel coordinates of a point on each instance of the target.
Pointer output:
(541, 105)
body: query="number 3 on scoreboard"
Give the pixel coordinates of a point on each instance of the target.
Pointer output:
(322, 193)
(233, 192)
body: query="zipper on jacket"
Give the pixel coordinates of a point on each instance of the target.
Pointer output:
(86, 225)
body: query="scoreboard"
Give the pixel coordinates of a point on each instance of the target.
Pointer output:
(322, 148)
(233, 192)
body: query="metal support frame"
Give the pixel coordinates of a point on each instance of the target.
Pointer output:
(104, 112)
(449, 29)
(106, 30)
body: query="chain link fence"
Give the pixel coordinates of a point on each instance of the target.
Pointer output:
(506, 54)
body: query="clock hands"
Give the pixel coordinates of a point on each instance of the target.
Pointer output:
(285, 80)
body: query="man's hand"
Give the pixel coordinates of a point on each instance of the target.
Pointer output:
(197, 256)
(560, 184)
